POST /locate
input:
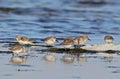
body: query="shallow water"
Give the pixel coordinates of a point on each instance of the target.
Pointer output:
(38, 19)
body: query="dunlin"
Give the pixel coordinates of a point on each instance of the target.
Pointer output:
(50, 40)
(108, 39)
(67, 43)
(18, 50)
(24, 40)
(80, 40)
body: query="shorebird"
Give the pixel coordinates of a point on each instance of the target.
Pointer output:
(18, 50)
(108, 39)
(50, 40)
(67, 43)
(80, 40)
(24, 40)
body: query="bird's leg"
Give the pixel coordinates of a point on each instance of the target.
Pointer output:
(12, 54)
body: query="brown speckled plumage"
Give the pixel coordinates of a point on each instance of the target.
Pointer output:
(24, 40)
(108, 39)
(50, 40)
(67, 41)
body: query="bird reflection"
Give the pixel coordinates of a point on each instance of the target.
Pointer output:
(68, 58)
(108, 57)
(81, 57)
(19, 59)
(49, 57)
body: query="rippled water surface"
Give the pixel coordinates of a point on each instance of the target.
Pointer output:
(38, 19)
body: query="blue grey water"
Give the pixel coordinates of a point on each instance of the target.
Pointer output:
(38, 19)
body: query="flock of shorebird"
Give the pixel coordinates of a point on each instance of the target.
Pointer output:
(66, 43)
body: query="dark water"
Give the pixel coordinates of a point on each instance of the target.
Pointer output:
(62, 18)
